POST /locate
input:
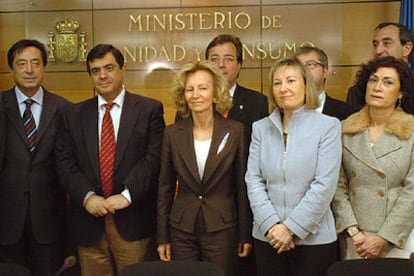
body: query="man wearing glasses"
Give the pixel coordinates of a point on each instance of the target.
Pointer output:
(226, 53)
(316, 61)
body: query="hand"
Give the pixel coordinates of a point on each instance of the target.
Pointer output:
(244, 249)
(370, 247)
(280, 238)
(164, 251)
(283, 248)
(97, 206)
(117, 202)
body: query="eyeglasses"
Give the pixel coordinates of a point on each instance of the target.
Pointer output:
(311, 64)
(217, 60)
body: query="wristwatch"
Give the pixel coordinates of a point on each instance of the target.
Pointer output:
(352, 230)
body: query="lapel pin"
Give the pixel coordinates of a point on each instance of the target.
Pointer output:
(241, 107)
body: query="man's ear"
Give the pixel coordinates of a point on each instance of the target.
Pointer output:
(408, 48)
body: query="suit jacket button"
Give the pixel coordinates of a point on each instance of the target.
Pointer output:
(200, 197)
(381, 193)
(381, 174)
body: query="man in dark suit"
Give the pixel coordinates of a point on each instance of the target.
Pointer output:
(316, 61)
(226, 52)
(108, 159)
(390, 39)
(32, 202)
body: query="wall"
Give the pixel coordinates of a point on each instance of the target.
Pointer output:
(158, 36)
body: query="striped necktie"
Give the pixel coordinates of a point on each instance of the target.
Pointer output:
(107, 151)
(29, 125)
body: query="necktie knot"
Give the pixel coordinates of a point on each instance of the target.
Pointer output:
(28, 103)
(108, 106)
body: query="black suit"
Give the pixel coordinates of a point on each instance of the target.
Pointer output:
(248, 106)
(30, 193)
(137, 161)
(336, 108)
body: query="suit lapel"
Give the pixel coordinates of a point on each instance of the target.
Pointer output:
(184, 141)
(13, 114)
(215, 155)
(129, 114)
(90, 128)
(49, 108)
(238, 99)
(360, 148)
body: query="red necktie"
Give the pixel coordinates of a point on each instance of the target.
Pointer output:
(107, 151)
(29, 125)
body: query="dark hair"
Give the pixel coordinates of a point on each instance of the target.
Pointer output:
(18, 47)
(405, 33)
(322, 56)
(99, 51)
(404, 72)
(227, 38)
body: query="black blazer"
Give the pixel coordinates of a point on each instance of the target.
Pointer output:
(336, 108)
(220, 194)
(137, 161)
(28, 178)
(248, 107)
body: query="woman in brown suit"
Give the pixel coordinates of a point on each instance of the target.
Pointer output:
(203, 210)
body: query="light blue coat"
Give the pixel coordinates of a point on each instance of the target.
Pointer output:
(296, 191)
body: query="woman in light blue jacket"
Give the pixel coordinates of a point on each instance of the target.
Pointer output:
(291, 178)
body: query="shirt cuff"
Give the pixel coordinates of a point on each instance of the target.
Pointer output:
(88, 195)
(127, 195)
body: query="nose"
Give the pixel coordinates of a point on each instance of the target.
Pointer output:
(196, 93)
(377, 86)
(102, 74)
(29, 67)
(379, 50)
(283, 87)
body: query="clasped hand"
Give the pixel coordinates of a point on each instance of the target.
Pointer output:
(280, 238)
(369, 247)
(98, 206)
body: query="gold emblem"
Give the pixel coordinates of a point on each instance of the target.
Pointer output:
(66, 46)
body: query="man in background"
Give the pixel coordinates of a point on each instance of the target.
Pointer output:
(226, 53)
(108, 157)
(316, 61)
(32, 201)
(390, 39)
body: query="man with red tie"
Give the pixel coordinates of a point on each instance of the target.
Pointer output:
(108, 159)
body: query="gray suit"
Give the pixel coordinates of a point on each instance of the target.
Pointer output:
(376, 184)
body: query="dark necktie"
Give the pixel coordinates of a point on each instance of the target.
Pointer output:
(107, 151)
(29, 125)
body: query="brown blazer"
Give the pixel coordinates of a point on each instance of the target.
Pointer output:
(220, 194)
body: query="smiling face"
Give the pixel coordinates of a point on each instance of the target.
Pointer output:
(199, 91)
(383, 88)
(288, 88)
(28, 70)
(107, 76)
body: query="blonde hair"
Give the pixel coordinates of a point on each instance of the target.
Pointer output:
(311, 93)
(221, 95)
